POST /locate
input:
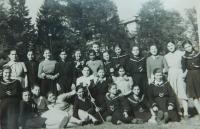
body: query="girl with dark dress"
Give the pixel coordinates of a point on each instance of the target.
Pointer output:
(46, 72)
(65, 70)
(116, 108)
(191, 66)
(78, 64)
(28, 114)
(139, 107)
(137, 69)
(108, 65)
(119, 57)
(162, 99)
(32, 69)
(10, 96)
(101, 87)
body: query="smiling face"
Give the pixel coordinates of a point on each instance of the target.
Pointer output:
(80, 93)
(77, 55)
(121, 72)
(6, 74)
(171, 47)
(106, 56)
(95, 47)
(153, 50)
(86, 71)
(13, 55)
(26, 96)
(101, 73)
(135, 51)
(51, 98)
(113, 89)
(36, 91)
(188, 47)
(92, 56)
(136, 90)
(118, 50)
(47, 54)
(30, 55)
(158, 76)
(63, 56)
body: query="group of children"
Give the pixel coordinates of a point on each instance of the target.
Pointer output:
(120, 88)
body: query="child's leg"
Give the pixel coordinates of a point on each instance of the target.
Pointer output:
(185, 107)
(116, 116)
(74, 122)
(197, 104)
(84, 116)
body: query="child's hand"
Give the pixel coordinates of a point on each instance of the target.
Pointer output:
(73, 87)
(20, 127)
(97, 109)
(92, 100)
(58, 87)
(125, 114)
(112, 70)
(155, 108)
(43, 75)
(8, 93)
(170, 107)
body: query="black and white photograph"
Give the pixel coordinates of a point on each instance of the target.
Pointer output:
(100, 64)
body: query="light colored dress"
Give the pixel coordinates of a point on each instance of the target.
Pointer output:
(86, 81)
(175, 73)
(18, 72)
(124, 84)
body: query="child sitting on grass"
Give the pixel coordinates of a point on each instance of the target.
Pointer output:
(60, 112)
(116, 106)
(29, 116)
(38, 99)
(162, 99)
(138, 105)
(84, 108)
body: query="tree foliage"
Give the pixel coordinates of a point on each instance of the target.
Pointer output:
(159, 26)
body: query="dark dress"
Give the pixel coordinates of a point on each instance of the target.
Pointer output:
(115, 107)
(29, 116)
(139, 108)
(120, 60)
(66, 75)
(162, 96)
(99, 92)
(32, 71)
(78, 66)
(9, 104)
(107, 66)
(137, 70)
(191, 62)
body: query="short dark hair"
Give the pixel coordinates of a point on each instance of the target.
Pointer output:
(157, 70)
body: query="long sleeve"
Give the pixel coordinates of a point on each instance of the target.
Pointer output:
(40, 71)
(21, 119)
(183, 63)
(172, 96)
(75, 108)
(151, 96)
(165, 65)
(148, 66)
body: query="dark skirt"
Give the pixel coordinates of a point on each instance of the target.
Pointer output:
(193, 83)
(48, 85)
(9, 112)
(141, 80)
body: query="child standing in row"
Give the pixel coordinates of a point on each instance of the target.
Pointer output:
(191, 66)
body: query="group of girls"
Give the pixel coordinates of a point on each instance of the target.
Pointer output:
(120, 88)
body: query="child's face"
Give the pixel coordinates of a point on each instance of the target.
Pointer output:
(95, 47)
(188, 47)
(92, 56)
(153, 50)
(135, 51)
(158, 76)
(118, 50)
(36, 91)
(86, 71)
(106, 56)
(171, 47)
(113, 90)
(30, 56)
(51, 98)
(63, 55)
(101, 73)
(80, 93)
(26, 96)
(136, 90)
(47, 54)
(121, 72)
(77, 55)
(13, 55)
(6, 74)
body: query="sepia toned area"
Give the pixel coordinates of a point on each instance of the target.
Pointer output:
(131, 64)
